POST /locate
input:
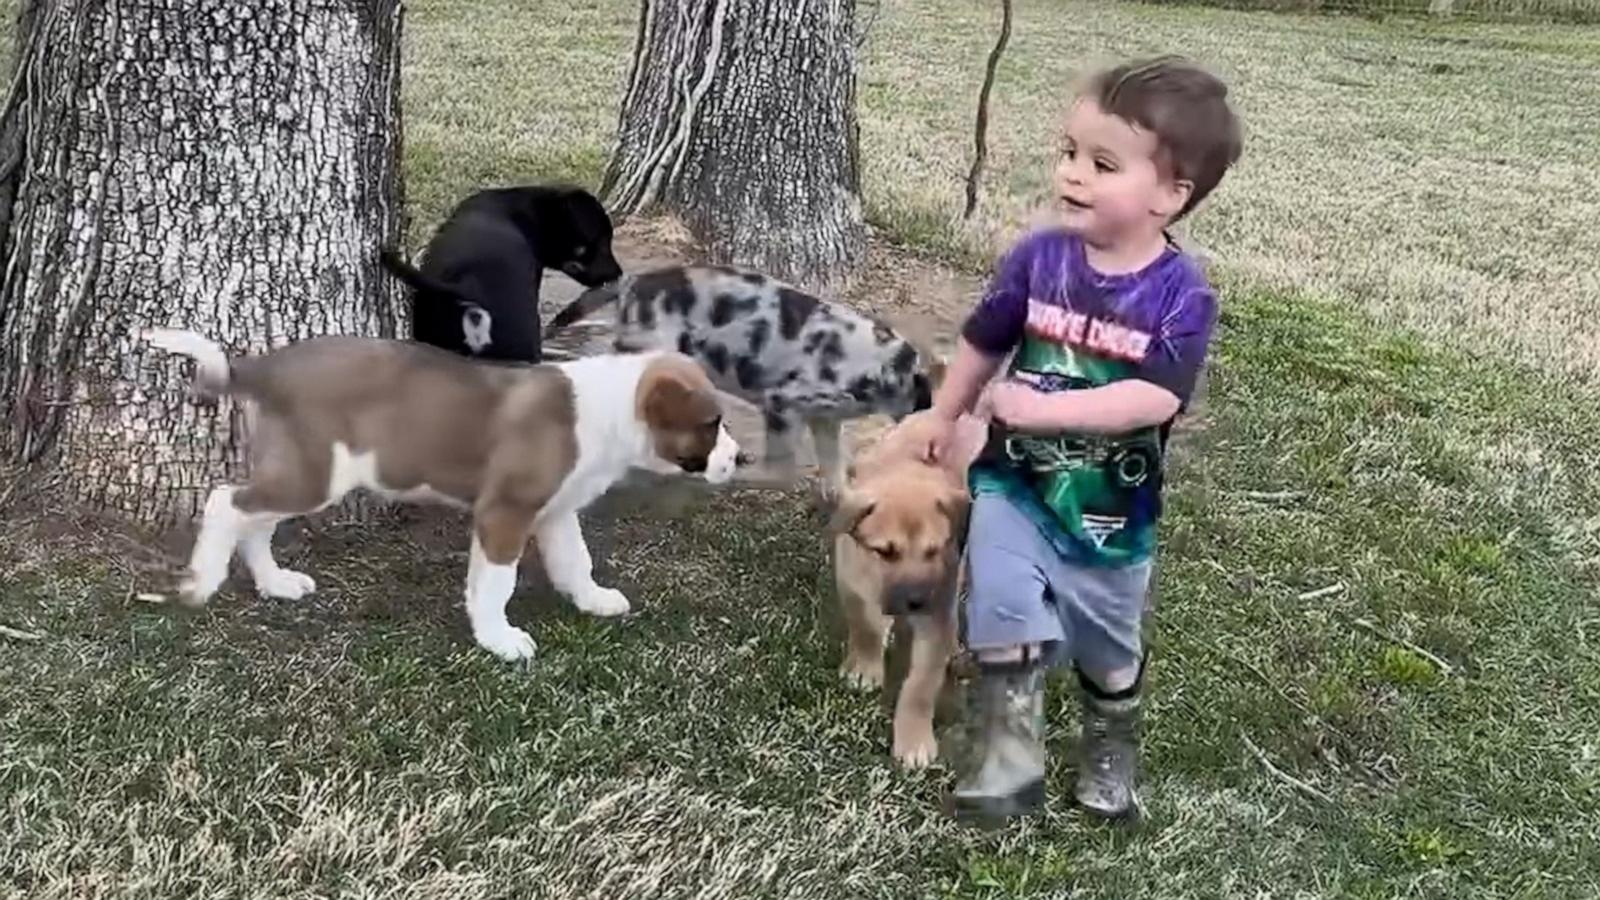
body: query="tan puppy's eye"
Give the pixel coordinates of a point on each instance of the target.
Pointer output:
(888, 551)
(931, 554)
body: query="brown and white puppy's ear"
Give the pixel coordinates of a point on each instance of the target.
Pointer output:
(854, 505)
(679, 407)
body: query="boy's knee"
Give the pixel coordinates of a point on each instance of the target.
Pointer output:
(1116, 681)
(1113, 679)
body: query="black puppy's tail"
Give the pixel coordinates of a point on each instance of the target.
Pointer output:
(588, 303)
(416, 280)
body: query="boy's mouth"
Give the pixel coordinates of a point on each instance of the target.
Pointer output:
(1072, 204)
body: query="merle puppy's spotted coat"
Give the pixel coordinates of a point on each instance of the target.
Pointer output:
(799, 358)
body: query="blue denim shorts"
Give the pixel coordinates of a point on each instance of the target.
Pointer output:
(1022, 592)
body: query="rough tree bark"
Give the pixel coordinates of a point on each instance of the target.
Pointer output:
(226, 166)
(739, 118)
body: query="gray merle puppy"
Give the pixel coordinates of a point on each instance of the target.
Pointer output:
(799, 358)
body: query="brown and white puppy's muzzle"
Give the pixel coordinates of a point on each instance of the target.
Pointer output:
(679, 407)
(909, 517)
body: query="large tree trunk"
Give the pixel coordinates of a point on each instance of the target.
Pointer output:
(739, 117)
(230, 167)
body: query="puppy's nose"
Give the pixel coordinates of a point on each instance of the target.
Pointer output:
(907, 597)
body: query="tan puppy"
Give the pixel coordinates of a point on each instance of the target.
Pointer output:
(898, 532)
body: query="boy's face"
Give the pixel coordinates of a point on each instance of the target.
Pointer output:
(1109, 185)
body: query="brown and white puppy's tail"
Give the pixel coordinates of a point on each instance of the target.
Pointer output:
(212, 373)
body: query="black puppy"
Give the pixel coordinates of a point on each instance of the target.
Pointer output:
(477, 291)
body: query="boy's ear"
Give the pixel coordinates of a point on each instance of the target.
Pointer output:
(1175, 193)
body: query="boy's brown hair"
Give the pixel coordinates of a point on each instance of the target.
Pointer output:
(1198, 137)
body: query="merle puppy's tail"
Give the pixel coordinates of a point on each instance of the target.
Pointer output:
(213, 373)
(415, 279)
(588, 303)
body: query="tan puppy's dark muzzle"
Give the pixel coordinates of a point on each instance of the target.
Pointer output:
(909, 597)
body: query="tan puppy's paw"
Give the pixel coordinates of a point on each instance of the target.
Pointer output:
(862, 676)
(915, 747)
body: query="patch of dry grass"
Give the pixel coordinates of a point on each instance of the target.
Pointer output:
(1502, 11)
(1438, 175)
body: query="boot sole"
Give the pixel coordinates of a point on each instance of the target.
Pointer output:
(991, 811)
(1132, 814)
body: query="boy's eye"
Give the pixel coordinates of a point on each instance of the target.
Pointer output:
(1105, 165)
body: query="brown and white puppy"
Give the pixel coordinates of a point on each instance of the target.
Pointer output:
(525, 448)
(899, 531)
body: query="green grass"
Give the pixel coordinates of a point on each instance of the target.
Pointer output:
(358, 744)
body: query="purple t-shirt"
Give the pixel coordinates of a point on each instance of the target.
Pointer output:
(1096, 497)
(1154, 324)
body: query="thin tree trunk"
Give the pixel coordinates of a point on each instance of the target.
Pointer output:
(739, 117)
(224, 166)
(980, 135)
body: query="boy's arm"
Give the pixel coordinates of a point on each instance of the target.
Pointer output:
(963, 381)
(1116, 408)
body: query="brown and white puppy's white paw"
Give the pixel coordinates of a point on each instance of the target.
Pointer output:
(510, 643)
(602, 601)
(283, 584)
(489, 586)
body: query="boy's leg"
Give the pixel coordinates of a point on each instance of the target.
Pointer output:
(1106, 609)
(1009, 617)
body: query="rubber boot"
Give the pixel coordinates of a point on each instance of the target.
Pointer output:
(1108, 761)
(1006, 771)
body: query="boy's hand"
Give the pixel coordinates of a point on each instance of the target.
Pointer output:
(929, 433)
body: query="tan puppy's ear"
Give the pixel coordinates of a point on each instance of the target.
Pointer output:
(956, 504)
(853, 506)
